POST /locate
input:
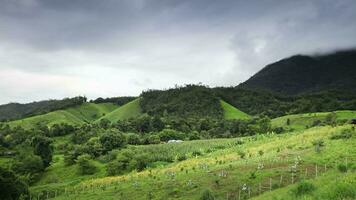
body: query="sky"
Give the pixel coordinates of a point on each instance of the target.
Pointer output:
(51, 49)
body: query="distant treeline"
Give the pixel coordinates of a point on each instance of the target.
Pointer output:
(197, 101)
(13, 111)
(116, 100)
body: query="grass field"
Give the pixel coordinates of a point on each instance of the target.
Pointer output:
(129, 110)
(87, 112)
(225, 170)
(230, 112)
(302, 121)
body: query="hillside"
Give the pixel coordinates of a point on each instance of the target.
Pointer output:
(230, 112)
(85, 113)
(304, 121)
(190, 101)
(300, 74)
(129, 110)
(254, 167)
(14, 111)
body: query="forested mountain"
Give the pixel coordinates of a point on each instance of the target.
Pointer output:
(301, 74)
(14, 111)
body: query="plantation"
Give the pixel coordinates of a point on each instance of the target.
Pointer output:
(221, 169)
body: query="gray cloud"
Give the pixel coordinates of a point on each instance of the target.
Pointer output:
(111, 48)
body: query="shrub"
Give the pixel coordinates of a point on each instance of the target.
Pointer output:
(260, 152)
(318, 144)
(342, 168)
(303, 188)
(345, 134)
(207, 195)
(85, 166)
(241, 154)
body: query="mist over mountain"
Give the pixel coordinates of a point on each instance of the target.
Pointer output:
(301, 73)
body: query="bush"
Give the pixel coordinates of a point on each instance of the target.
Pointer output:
(345, 134)
(303, 188)
(10, 186)
(85, 166)
(342, 168)
(241, 154)
(207, 195)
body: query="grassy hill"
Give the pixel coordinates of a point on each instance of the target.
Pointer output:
(129, 110)
(262, 166)
(230, 112)
(87, 112)
(302, 121)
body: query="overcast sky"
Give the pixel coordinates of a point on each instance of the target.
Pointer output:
(60, 48)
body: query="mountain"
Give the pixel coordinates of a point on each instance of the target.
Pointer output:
(302, 74)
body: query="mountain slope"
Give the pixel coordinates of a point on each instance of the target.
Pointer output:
(299, 74)
(129, 110)
(230, 112)
(87, 112)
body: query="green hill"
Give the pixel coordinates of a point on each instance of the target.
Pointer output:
(230, 112)
(258, 166)
(129, 110)
(302, 121)
(87, 112)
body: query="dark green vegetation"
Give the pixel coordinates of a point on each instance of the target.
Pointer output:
(300, 74)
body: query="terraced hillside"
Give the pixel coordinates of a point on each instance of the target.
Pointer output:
(264, 166)
(87, 112)
(230, 112)
(129, 110)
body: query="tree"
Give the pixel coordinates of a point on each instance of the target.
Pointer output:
(10, 186)
(157, 124)
(133, 139)
(85, 165)
(29, 165)
(111, 140)
(43, 148)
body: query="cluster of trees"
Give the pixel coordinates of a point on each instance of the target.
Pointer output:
(14, 111)
(116, 100)
(192, 101)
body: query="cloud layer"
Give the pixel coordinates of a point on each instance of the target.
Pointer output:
(59, 48)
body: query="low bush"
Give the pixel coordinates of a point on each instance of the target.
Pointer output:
(342, 168)
(207, 195)
(303, 188)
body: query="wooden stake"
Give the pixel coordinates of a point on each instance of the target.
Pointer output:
(306, 173)
(316, 171)
(281, 180)
(260, 188)
(270, 184)
(292, 177)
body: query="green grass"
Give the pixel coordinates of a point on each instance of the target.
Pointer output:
(78, 115)
(129, 110)
(301, 121)
(187, 179)
(230, 112)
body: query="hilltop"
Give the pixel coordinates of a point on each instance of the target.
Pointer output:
(301, 74)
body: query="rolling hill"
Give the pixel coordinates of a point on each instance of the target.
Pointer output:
(230, 112)
(300, 74)
(129, 110)
(85, 113)
(303, 121)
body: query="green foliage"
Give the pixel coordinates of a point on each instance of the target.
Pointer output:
(303, 188)
(230, 112)
(85, 166)
(191, 101)
(111, 140)
(345, 134)
(207, 195)
(43, 148)
(11, 187)
(129, 110)
(29, 166)
(342, 168)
